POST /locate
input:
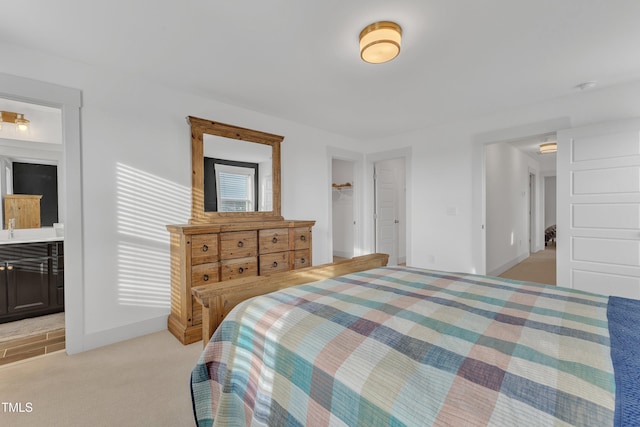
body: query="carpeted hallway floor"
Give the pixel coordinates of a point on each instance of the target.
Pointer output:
(540, 267)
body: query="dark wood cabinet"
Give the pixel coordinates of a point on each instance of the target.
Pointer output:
(27, 284)
(3, 296)
(31, 280)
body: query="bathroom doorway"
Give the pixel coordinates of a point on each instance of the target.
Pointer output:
(32, 318)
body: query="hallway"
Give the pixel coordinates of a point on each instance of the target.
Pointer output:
(540, 267)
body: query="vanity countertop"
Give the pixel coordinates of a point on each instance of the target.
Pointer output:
(30, 235)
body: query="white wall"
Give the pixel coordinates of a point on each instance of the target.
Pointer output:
(447, 170)
(507, 206)
(134, 133)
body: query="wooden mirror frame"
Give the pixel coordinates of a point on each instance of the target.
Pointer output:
(200, 127)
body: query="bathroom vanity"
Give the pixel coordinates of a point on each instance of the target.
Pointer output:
(31, 275)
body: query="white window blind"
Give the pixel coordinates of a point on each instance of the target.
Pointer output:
(235, 190)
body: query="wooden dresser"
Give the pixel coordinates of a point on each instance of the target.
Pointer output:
(210, 253)
(24, 209)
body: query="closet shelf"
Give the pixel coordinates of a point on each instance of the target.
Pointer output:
(346, 185)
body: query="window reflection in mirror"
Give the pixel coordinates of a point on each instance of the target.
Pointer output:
(237, 175)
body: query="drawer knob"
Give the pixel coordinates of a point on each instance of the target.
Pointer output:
(240, 244)
(303, 238)
(302, 261)
(241, 270)
(205, 277)
(275, 264)
(274, 240)
(10, 267)
(205, 248)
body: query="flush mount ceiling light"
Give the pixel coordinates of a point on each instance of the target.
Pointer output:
(380, 42)
(548, 147)
(17, 119)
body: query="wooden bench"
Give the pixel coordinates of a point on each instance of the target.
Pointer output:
(218, 299)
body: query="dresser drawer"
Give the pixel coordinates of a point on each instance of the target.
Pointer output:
(273, 240)
(203, 274)
(301, 238)
(274, 263)
(302, 258)
(237, 268)
(238, 244)
(204, 248)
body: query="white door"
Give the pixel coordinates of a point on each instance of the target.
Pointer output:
(598, 196)
(386, 212)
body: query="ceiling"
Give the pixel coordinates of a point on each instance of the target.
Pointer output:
(530, 146)
(299, 60)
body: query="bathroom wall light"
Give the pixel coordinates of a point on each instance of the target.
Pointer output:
(380, 42)
(21, 123)
(17, 119)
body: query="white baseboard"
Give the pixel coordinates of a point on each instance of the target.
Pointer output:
(498, 271)
(342, 254)
(123, 333)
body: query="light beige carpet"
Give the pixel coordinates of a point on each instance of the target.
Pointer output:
(34, 326)
(540, 267)
(140, 382)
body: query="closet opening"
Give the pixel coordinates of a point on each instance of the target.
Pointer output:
(343, 208)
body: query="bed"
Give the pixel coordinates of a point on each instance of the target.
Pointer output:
(398, 346)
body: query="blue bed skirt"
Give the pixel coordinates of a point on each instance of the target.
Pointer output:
(624, 328)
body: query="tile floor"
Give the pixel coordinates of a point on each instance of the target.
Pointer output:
(34, 345)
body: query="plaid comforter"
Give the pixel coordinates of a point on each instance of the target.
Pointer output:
(410, 347)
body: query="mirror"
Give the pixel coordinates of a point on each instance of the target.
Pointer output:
(237, 176)
(227, 157)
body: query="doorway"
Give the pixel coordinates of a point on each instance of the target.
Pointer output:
(33, 320)
(67, 100)
(343, 209)
(515, 208)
